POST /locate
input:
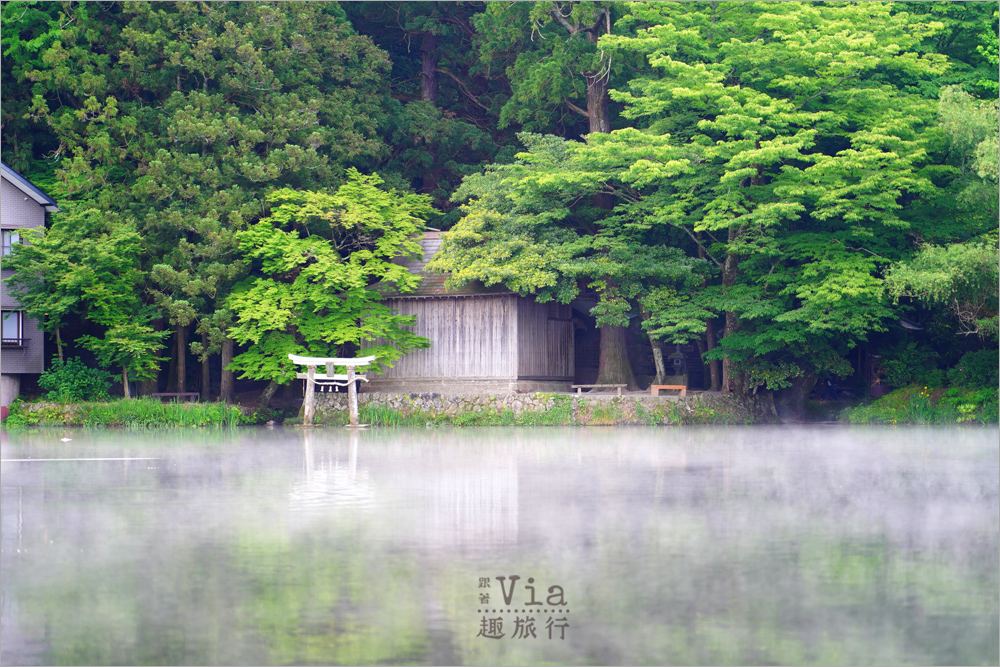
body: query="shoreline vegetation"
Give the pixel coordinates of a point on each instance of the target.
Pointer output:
(911, 405)
(142, 412)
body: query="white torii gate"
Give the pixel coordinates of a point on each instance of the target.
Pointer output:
(329, 378)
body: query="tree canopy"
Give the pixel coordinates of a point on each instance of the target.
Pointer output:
(777, 183)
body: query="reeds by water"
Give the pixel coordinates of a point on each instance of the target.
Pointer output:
(143, 412)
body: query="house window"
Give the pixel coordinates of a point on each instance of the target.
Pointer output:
(13, 330)
(10, 237)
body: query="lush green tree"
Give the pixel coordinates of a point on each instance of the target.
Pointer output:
(961, 278)
(968, 29)
(442, 125)
(185, 115)
(27, 29)
(558, 76)
(972, 126)
(87, 263)
(799, 158)
(530, 226)
(321, 255)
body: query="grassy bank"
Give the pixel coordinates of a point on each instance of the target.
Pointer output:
(561, 413)
(927, 405)
(129, 413)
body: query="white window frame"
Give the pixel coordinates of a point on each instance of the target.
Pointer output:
(14, 342)
(9, 236)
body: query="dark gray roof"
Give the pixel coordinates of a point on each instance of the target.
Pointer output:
(432, 284)
(29, 188)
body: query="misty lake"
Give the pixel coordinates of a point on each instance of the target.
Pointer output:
(743, 545)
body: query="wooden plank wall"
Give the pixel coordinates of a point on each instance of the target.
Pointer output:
(471, 337)
(545, 341)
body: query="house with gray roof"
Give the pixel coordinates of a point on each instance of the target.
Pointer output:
(22, 350)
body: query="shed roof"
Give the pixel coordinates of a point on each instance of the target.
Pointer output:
(29, 189)
(432, 284)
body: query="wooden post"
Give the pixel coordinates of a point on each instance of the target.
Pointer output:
(352, 395)
(310, 401)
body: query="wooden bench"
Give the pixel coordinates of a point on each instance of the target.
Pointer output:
(182, 395)
(654, 389)
(578, 387)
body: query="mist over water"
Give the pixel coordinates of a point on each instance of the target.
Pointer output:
(670, 546)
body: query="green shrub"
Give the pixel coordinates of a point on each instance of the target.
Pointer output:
(920, 405)
(977, 369)
(72, 381)
(911, 364)
(150, 412)
(18, 417)
(605, 414)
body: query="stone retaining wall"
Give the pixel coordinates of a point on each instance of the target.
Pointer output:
(584, 409)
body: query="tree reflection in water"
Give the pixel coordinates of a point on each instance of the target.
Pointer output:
(684, 546)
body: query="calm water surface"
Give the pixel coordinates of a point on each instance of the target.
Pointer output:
(643, 546)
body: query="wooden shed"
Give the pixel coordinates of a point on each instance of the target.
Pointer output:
(483, 339)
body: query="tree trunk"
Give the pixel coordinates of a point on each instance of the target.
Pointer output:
(59, 346)
(149, 386)
(790, 402)
(654, 344)
(125, 382)
(182, 358)
(729, 380)
(267, 394)
(730, 270)
(597, 102)
(715, 380)
(713, 364)
(428, 68)
(704, 364)
(661, 370)
(597, 87)
(613, 366)
(206, 378)
(597, 112)
(172, 368)
(226, 394)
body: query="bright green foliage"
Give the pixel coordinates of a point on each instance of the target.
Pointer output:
(86, 264)
(184, 115)
(798, 160)
(775, 164)
(965, 31)
(131, 345)
(973, 127)
(961, 278)
(990, 50)
(320, 255)
(527, 226)
(73, 381)
(918, 404)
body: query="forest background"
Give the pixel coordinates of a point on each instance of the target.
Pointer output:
(777, 183)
